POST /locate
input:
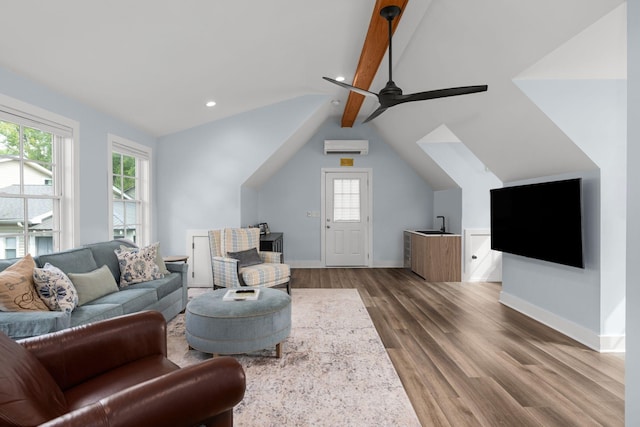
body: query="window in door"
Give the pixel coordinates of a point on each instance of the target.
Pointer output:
(346, 200)
(130, 190)
(37, 181)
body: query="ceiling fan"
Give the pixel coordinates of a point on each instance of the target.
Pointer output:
(391, 94)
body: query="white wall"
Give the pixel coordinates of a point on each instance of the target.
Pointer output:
(401, 198)
(203, 168)
(632, 359)
(94, 128)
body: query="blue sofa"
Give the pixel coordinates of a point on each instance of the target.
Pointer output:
(167, 295)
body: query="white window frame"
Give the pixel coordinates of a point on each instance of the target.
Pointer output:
(143, 154)
(68, 179)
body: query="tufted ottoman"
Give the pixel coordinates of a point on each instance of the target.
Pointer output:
(230, 327)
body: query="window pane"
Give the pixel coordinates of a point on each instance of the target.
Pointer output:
(117, 187)
(116, 164)
(38, 145)
(37, 179)
(131, 233)
(346, 200)
(40, 214)
(9, 139)
(12, 215)
(131, 210)
(10, 177)
(129, 174)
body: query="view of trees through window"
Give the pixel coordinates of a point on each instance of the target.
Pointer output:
(28, 202)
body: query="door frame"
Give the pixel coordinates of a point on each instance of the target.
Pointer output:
(323, 213)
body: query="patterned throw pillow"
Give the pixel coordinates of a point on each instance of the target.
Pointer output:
(17, 292)
(138, 265)
(55, 288)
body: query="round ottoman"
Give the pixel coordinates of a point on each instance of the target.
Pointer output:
(231, 327)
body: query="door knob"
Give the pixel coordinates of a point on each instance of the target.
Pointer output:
(474, 257)
(328, 226)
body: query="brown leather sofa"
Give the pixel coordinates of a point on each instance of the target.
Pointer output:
(113, 373)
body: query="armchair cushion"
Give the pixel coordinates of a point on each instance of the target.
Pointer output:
(246, 258)
(265, 274)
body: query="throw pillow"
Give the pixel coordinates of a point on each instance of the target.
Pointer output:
(55, 288)
(94, 284)
(246, 258)
(159, 261)
(138, 265)
(17, 292)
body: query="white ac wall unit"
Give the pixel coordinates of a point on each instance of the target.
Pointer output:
(346, 146)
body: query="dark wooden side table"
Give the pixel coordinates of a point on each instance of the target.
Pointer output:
(273, 242)
(176, 258)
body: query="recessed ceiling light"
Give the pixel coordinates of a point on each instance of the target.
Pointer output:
(210, 103)
(340, 78)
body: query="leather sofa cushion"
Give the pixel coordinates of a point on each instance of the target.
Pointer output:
(31, 395)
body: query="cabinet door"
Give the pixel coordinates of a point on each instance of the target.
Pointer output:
(418, 255)
(443, 259)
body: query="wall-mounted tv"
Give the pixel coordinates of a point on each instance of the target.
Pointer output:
(542, 221)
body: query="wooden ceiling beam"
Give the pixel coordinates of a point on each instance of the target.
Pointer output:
(373, 50)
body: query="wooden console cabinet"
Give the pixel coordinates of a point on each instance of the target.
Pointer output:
(436, 258)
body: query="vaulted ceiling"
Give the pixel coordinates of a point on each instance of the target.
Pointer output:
(155, 63)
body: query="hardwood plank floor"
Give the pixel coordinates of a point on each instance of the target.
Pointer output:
(467, 360)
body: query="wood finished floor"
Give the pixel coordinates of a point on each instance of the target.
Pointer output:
(467, 360)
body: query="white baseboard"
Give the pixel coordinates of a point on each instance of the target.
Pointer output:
(600, 343)
(318, 264)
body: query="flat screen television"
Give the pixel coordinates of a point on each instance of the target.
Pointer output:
(542, 221)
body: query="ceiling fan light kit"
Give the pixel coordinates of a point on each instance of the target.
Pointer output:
(391, 94)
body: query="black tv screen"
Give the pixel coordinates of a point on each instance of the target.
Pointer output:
(542, 221)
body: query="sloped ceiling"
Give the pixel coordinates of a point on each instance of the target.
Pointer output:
(155, 63)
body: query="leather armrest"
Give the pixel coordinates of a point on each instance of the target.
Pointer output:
(185, 397)
(77, 354)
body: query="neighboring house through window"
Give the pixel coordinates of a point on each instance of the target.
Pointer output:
(38, 180)
(130, 203)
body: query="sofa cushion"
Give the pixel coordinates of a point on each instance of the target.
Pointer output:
(94, 284)
(138, 265)
(131, 300)
(163, 287)
(17, 292)
(24, 324)
(93, 312)
(72, 261)
(55, 289)
(103, 253)
(28, 394)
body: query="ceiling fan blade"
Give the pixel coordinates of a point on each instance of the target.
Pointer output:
(353, 88)
(440, 93)
(375, 114)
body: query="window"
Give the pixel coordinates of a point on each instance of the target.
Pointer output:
(37, 180)
(129, 166)
(346, 200)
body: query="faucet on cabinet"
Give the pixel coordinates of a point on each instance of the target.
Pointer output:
(443, 227)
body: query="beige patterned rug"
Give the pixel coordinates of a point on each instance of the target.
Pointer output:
(334, 370)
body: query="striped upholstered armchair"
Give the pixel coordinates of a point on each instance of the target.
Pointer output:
(236, 260)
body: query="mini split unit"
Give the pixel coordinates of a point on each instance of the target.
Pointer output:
(346, 146)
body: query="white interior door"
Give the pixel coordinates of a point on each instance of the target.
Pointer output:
(482, 263)
(346, 219)
(199, 259)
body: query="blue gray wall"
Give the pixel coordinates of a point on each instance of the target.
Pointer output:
(632, 367)
(93, 151)
(203, 168)
(401, 198)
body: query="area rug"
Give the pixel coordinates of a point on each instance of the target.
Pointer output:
(334, 370)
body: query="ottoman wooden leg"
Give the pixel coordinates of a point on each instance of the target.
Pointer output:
(279, 350)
